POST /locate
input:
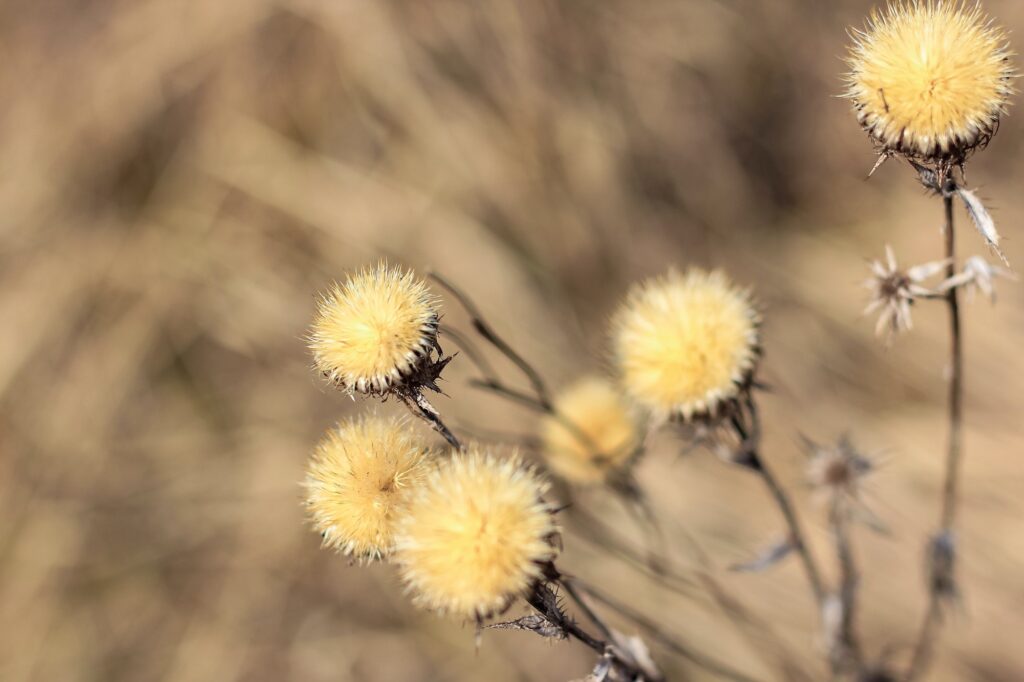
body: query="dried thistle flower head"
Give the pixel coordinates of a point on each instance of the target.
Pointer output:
(475, 536)
(838, 470)
(894, 292)
(978, 274)
(594, 433)
(930, 79)
(357, 480)
(684, 344)
(377, 331)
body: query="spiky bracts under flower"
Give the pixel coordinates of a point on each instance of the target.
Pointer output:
(685, 343)
(376, 331)
(357, 481)
(930, 79)
(594, 433)
(475, 536)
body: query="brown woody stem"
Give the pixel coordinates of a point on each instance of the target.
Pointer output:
(938, 589)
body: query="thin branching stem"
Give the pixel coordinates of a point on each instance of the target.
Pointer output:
(751, 437)
(546, 603)
(492, 337)
(538, 402)
(846, 652)
(569, 585)
(421, 407)
(924, 647)
(656, 633)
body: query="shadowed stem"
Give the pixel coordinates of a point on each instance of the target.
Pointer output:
(923, 649)
(751, 443)
(574, 587)
(956, 383)
(546, 603)
(845, 653)
(485, 330)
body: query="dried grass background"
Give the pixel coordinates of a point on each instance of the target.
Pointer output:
(178, 177)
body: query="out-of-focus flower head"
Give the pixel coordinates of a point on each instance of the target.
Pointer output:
(684, 344)
(593, 434)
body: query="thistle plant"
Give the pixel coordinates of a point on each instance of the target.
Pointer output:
(930, 81)
(376, 334)
(473, 533)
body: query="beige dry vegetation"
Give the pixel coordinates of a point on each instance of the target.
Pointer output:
(178, 177)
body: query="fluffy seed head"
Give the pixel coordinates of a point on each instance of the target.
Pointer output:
(475, 536)
(375, 330)
(603, 436)
(357, 480)
(929, 79)
(686, 343)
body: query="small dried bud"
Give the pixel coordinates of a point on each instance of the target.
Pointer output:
(837, 470)
(894, 292)
(941, 564)
(533, 623)
(978, 273)
(982, 220)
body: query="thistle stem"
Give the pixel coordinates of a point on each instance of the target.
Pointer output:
(545, 602)
(846, 653)
(752, 443)
(924, 647)
(956, 384)
(796, 534)
(421, 407)
(652, 629)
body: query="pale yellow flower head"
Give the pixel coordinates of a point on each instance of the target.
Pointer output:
(683, 344)
(357, 480)
(930, 79)
(375, 330)
(596, 432)
(475, 536)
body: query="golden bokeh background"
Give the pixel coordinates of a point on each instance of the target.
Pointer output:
(179, 177)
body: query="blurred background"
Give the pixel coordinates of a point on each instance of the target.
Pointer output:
(178, 178)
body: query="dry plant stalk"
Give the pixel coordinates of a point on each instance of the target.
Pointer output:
(471, 532)
(930, 81)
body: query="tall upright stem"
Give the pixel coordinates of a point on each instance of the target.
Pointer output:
(956, 383)
(845, 650)
(941, 554)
